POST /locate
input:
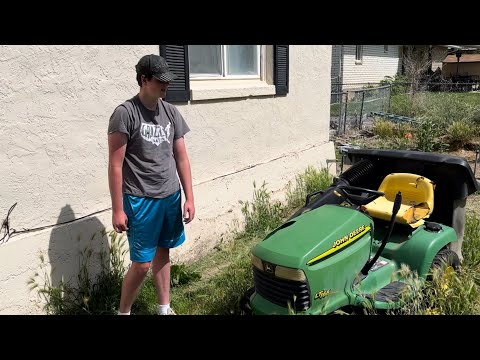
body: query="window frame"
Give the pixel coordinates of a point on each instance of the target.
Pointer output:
(358, 54)
(259, 75)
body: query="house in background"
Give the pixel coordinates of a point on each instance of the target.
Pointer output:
(256, 113)
(356, 66)
(466, 66)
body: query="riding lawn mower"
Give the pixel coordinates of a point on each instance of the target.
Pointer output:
(346, 246)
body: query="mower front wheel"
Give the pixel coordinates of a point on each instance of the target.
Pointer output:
(245, 308)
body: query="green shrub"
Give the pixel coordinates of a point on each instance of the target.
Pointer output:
(399, 83)
(428, 137)
(459, 133)
(384, 128)
(261, 214)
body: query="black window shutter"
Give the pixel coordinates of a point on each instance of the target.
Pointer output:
(177, 59)
(280, 64)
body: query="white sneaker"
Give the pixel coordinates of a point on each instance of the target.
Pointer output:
(169, 312)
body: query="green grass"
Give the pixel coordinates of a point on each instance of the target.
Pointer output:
(449, 293)
(227, 273)
(335, 109)
(405, 104)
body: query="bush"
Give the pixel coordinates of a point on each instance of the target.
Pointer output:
(399, 83)
(384, 129)
(459, 133)
(428, 137)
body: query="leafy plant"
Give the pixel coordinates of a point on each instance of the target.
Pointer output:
(459, 133)
(100, 295)
(429, 137)
(261, 214)
(308, 182)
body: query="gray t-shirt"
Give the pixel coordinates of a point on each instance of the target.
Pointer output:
(149, 168)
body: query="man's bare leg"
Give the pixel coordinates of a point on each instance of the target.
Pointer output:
(132, 283)
(161, 275)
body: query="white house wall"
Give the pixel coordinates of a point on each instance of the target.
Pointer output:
(336, 63)
(375, 66)
(56, 102)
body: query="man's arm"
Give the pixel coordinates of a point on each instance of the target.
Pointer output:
(117, 145)
(185, 174)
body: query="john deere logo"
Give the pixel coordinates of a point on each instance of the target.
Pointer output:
(348, 237)
(268, 267)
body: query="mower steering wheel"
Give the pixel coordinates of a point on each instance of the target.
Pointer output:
(358, 200)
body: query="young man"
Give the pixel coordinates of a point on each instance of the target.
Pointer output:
(146, 149)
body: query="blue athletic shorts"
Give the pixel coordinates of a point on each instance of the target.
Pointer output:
(153, 223)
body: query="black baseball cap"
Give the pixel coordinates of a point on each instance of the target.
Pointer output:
(156, 66)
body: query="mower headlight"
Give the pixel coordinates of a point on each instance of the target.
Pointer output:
(257, 262)
(281, 271)
(289, 273)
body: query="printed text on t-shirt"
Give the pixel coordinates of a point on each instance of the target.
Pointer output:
(156, 134)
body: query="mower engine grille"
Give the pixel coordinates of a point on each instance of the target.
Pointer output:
(281, 291)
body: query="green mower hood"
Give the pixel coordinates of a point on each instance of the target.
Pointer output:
(313, 236)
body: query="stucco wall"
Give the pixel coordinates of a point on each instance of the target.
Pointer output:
(56, 101)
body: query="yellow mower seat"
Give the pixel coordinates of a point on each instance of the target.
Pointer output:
(417, 199)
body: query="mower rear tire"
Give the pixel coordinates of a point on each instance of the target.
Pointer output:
(443, 260)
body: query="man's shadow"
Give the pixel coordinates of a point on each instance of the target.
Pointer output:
(74, 245)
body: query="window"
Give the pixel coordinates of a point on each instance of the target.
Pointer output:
(224, 61)
(358, 54)
(226, 71)
(385, 48)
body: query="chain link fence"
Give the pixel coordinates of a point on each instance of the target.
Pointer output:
(352, 108)
(437, 85)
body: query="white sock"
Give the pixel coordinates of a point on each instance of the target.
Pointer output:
(162, 309)
(120, 313)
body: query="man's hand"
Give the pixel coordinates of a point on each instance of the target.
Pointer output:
(188, 211)
(120, 221)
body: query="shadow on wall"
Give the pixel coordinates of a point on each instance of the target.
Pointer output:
(70, 245)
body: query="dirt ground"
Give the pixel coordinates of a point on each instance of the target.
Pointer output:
(473, 203)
